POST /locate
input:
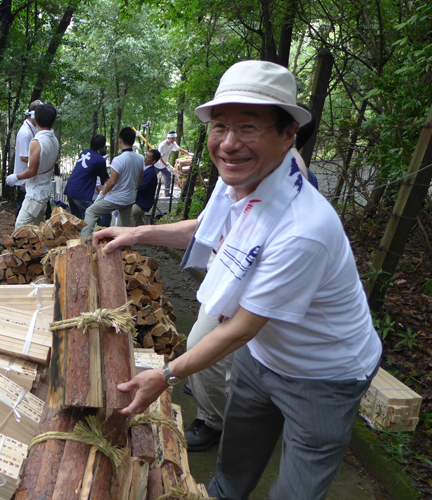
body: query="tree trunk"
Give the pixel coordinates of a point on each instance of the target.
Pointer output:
(285, 37)
(318, 97)
(189, 187)
(52, 49)
(353, 142)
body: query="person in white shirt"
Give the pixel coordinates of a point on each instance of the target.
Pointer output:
(285, 288)
(43, 154)
(165, 148)
(25, 134)
(119, 192)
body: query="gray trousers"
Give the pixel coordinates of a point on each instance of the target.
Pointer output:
(166, 174)
(103, 207)
(209, 386)
(316, 418)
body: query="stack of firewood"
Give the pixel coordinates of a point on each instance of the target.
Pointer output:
(159, 453)
(90, 455)
(153, 311)
(12, 456)
(20, 262)
(390, 405)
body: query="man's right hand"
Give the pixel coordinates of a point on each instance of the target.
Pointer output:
(11, 179)
(120, 236)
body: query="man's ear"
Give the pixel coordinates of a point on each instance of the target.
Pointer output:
(289, 134)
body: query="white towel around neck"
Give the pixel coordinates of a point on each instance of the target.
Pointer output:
(222, 288)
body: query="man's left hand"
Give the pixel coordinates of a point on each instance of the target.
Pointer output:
(11, 179)
(100, 196)
(150, 384)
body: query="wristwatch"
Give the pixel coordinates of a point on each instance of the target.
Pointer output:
(170, 378)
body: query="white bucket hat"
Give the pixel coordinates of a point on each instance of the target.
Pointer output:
(256, 82)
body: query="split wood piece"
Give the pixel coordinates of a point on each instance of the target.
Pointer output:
(29, 410)
(8, 241)
(83, 357)
(51, 459)
(132, 257)
(117, 348)
(160, 481)
(12, 456)
(50, 421)
(57, 369)
(167, 445)
(22, 373)
(147, 340)
(19, 295)
(98, 475)
(120, 488)
(154, 291)
(188, 482)
(143, 442)
(138, 479)
(390, 405)
(73, 465)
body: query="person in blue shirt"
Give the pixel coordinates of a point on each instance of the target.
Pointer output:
(146, 192)
(82, 182)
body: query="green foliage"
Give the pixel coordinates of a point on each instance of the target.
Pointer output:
(383, 326)
(407, 338)
(396, 444)
(427, 287)
(198, 202)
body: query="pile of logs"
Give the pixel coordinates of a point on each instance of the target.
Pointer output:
(20, 262)
(390, 405)
(181, 168)
(153, 311)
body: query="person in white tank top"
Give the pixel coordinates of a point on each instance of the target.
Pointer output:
(43, 153)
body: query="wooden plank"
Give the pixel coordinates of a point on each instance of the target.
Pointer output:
(57, 379)
(72, 467)
(117, 348)
(83, 375)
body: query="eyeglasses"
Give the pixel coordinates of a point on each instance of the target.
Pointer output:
(245, 132)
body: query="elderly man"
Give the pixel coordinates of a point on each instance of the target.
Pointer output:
(165, 148)
(286, 289)
(42, 156)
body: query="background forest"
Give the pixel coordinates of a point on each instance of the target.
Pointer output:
(364, 67)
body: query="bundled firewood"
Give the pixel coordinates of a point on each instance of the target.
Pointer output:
(158, 439)
(12, 455)
(20, 411)
(92, 341)
(75, 455)
(25, 333)
(22, 373)
(390, 405)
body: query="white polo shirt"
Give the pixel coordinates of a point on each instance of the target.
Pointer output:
(22, 144)
(306, 282)
(129, 166)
